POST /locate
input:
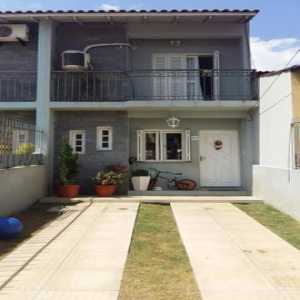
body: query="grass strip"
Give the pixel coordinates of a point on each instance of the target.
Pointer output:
(283, 225)
(157, 266)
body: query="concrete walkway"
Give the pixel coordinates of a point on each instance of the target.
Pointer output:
(234, 257)
(80, 256)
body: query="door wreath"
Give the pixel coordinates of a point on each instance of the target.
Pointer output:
(218, 145)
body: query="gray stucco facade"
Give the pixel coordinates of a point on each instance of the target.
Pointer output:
(93, 160)
(191, 169)
(74, 36)
(18, 57)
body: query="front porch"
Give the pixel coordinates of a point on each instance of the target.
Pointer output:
(113, 137)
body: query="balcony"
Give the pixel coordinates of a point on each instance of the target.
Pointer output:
(16, 86)
(190, 85)
(141, 85)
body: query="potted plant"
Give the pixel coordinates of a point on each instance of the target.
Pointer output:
(25, 149)
(68, 169)
(106, 182)
(140, 180)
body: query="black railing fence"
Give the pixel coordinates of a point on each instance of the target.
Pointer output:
(17, 86)
(154, 85)
(134, 85)
(20, 143)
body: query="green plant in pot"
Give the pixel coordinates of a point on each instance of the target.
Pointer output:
(68, 169)
(25, 149)
(106, 182)
(140, 179)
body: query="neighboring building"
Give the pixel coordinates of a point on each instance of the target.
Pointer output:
(277, 177)
(139, 69)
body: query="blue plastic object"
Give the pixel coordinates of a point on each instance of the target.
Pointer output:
(10, 227)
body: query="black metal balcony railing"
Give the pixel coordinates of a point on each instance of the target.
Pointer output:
(17, 86)
(134, 85)
(154, 85)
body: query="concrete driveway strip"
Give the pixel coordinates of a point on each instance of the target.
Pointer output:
(234, 257)
(85, 262)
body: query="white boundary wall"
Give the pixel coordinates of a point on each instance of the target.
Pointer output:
(20, 187)
(274, 180)
(278, 187)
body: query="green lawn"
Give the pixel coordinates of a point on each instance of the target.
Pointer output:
(281, 224)
(157, 267)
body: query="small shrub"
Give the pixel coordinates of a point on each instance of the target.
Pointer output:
(109, 178)
(68, 166)
(25, 149)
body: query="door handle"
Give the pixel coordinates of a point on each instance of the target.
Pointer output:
(202, 158)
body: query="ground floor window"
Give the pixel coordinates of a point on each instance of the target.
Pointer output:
(77, 141)
(163, 145)
(104, 138)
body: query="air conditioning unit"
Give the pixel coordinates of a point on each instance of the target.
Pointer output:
(74, 60)
(14, 33)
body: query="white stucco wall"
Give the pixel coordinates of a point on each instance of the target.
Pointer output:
(20, 187)
(274, 180)
(275, 120)
(278, 187)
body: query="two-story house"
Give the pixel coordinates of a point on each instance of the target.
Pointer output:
(174, 89)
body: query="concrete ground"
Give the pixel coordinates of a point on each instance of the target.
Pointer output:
(81, 255)
(234, 257)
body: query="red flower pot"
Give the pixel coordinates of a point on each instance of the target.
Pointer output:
(105, 190)
(68, 190)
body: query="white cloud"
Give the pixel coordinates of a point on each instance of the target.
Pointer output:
(115, 6)
(107, 6)
(274, 54)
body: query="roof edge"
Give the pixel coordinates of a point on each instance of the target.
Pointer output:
(93, 13)
(294, 68)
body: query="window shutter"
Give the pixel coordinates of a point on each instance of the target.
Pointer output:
(193, 78)
(177, 80)
(187, 144)
(140, 145)
(160, 80)
(216, 75)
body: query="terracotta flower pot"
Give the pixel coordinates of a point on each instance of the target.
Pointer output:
(68, 190)
(105, 190)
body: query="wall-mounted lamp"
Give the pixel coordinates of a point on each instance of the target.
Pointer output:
(173, 122)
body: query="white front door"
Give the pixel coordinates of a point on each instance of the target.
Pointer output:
(219, 158)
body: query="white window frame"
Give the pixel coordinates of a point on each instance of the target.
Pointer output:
(72, 140)
(161, 145)
(216, 67)
(100, 136)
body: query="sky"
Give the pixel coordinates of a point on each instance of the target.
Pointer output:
(275, 32)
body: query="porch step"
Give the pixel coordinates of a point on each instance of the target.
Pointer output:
(157, 199)
(191, 193)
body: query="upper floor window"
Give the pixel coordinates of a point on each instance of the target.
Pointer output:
(77, 141)
(104, 138)
(163, 145)
(194, 76)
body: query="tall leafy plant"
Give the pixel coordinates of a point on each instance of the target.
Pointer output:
(68, 165)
